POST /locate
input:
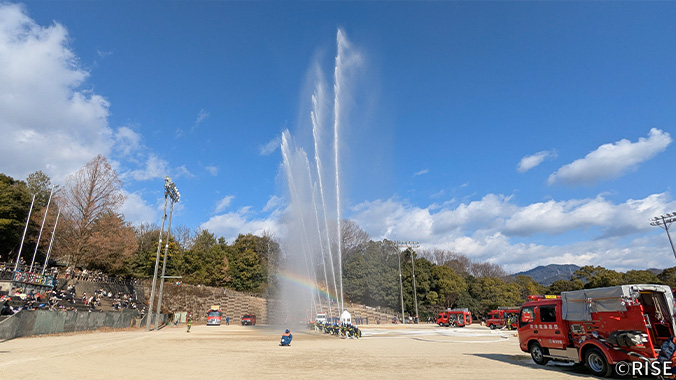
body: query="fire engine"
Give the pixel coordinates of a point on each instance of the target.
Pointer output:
(598, 327)
(455, 317)
(249, 319)
(503, 316)
(214, 316)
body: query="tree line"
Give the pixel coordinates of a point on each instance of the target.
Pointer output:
(92, 234)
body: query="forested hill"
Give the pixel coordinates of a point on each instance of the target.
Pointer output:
(546, 275)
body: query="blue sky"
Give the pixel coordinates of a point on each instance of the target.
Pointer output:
(522, 133)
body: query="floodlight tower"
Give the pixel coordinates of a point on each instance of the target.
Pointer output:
(175, 197)
(409, 245)
(149, 315)
(664, 221)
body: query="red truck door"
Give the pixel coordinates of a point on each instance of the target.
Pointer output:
(548, 327)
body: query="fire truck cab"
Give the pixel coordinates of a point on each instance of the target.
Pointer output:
(503, 316)
(455, 317)
(598, 327)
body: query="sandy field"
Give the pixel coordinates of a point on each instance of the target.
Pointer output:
(253, 352)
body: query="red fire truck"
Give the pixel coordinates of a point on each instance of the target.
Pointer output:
(454, 317)
(214, 316)
(598, 327)
(249, 319)
(503, 316)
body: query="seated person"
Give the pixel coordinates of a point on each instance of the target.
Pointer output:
(286, 338)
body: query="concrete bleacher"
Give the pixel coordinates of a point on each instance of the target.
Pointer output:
(198, 299)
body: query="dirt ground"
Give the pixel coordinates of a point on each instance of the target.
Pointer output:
(253, 352)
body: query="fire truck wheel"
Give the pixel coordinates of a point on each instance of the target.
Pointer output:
(538, 354)
(492, 327)
(596, 363)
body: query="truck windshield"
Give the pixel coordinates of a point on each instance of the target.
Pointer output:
(526, 316)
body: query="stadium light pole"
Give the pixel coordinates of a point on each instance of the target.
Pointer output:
(664, 221)
(175, 197)
(149, 316)
(410, 245)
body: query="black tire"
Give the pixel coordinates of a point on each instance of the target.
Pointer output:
(538, 354)
(597, 363)
(492, 327)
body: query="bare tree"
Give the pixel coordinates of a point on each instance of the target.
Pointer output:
(354, 238)
(91, 193)
(184, 237)
(486, 269)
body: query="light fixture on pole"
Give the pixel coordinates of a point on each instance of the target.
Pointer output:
(664, 221)
(410, 245)
(175, 197)
(167, 182)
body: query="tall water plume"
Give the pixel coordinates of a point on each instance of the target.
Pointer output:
(312, 274)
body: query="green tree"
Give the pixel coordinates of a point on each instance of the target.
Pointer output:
(668, 276)
(597, 276)
(565, 286)
(40, 185)
(528, 286)
(14, 204)
(205, 263)
(640, 277)
(448, 286)
(244, 269)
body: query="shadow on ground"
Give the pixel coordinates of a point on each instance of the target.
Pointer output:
(525, 361)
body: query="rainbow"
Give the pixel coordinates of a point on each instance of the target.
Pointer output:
(306, 283)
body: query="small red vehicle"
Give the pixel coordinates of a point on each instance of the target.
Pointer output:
(249, 319)
(455, 318)
(598, 327)
(503, 316)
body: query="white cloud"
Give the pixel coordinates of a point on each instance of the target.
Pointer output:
(224, 203)
(529, 162)
(421, 172)
(270, 147)
(155, 167)
(183, 171)
(494, 229)
(127, 142)
(273, 203)
(612, 160)
(48, 122)
(213, 170)
(231, 224)
(137, 211)
(201, 116)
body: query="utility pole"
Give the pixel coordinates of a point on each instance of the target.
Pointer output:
(409, 245)
(664, 221)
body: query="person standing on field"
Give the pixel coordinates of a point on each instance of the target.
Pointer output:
(189, 322)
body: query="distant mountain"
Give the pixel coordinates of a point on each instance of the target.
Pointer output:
(546, 275)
